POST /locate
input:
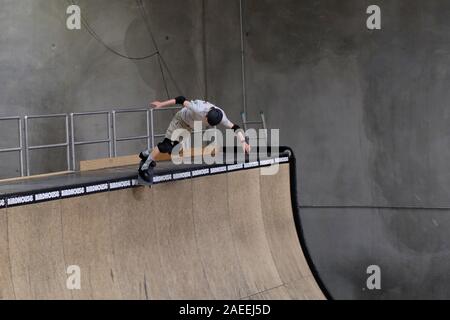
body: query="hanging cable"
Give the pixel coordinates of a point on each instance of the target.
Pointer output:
(205, 51)
(161, 60)
(170, 74)
(166, 87)
(144, 15)
(243, 75)
(107, 47)
(143, 12)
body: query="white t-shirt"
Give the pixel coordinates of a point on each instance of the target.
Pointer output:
(197, 111)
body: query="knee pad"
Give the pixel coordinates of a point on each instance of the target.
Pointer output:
(145, 165)
(144, 155)
(166, 146)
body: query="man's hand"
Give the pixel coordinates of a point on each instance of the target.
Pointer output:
(246, 147)
(156, 105)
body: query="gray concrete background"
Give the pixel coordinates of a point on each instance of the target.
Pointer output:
(365, 111)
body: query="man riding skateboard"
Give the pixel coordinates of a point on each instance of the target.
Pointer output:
(194, 110)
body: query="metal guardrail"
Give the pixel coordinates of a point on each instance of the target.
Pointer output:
(261, 123)
(152, 120)
(118, 139)
(75, 143)
(29, 148)
(245, 122)
(71, 143)
(18, 149)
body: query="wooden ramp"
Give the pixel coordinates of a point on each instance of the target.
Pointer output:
(228, 236)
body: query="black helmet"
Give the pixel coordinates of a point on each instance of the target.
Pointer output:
(214, 117)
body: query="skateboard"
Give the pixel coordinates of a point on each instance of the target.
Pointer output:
(141, 181)
(144, 183)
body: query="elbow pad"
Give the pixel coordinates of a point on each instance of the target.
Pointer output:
(180, 100)
(236, 128)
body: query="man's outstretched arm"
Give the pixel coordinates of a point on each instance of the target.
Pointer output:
(168, 103)
(240, 135)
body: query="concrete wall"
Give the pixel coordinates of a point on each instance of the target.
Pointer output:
(45, 68)
(365, 111)
(367, 114)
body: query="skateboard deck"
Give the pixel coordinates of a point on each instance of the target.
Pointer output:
(142, 182)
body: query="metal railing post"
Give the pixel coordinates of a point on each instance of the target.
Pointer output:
(67, 142)
(244, 120)
(114, 133)
(19, 148)
(148, 129)
(110, 145)
(22, 171)
(149, 136)
(263, 121)
(152, 117)
(29, 148)
(27, 151)
(75, 143)
(72, 140)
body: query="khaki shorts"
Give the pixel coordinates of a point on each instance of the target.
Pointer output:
(177, 123)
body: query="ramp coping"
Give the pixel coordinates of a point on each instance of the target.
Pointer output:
(39, 196)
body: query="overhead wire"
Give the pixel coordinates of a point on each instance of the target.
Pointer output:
(94, 35)
(161, 61)
(144, 15)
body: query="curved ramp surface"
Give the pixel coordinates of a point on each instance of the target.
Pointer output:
(227, 236)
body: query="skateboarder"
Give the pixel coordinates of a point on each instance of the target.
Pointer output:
(195, 110)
